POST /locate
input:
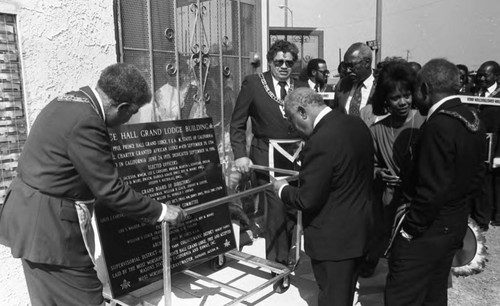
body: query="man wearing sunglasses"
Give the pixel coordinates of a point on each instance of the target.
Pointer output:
(261, 99)
(353, 91)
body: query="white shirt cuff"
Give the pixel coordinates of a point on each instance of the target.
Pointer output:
(281, 188)
(163, 212)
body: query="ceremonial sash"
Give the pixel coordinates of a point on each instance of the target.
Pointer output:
(284, 154)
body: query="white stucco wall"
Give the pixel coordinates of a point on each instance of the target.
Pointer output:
(64, 44)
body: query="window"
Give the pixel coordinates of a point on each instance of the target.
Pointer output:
(12, 115)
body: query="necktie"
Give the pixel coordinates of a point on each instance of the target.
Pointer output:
(316, 88)
(282, 84)
(355, 101)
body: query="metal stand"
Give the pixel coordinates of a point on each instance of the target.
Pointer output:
(280, 270)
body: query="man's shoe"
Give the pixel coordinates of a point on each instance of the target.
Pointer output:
(282, 285)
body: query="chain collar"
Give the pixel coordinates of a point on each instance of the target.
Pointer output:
(473, 127)
(270, 93)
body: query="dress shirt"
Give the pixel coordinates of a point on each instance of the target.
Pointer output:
(366, 88)
(438, 104)
(277, 87)
(96, 94)
(490, 90)
(312, 85)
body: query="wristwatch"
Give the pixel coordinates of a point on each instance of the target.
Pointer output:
(405, 235)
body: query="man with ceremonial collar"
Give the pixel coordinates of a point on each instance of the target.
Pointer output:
(66, 165)
(448, 171)
(335, 193)
(261, 100)
(487, 83)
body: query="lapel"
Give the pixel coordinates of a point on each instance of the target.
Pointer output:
(87, 91)
(269, 80)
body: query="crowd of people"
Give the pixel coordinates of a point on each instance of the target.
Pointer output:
(394, 165)
(395, 146)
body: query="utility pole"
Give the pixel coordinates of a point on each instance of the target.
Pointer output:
(378, 33)
(286, 13)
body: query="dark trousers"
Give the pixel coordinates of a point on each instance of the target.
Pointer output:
(495, 194)
(419, 269)
(280, 224)
(483, 204)
(336, 280)
(50, 285)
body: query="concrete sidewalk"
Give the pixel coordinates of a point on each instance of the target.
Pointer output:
(303, 290)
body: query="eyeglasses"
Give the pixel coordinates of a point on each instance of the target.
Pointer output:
(324, 72)
(351, 65)
(279, 63)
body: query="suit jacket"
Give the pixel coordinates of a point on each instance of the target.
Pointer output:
(449, 170)
(342, 91)
(336, 188)
(66, 157)
(490, 115)
(267, 119)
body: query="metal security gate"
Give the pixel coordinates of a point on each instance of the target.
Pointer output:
(195, 54)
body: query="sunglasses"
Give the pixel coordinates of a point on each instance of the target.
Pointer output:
(324, 72)
(279, 63)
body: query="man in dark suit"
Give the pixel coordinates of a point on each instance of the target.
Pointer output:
(448, 173)
(335, 193)
(487, 83)
(66, 165)
(353, 92)
(261, 100)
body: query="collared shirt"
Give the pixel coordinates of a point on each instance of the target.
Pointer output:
(312, 85)
(320, 116)
(96, 94)
(438, 104)
(366, 88)
(491, 89)
(277, 87)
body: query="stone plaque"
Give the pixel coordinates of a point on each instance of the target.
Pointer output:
(175, 162)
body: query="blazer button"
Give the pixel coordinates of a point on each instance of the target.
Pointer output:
(446, 230)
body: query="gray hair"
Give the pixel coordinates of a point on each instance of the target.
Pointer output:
(441, 75)
(303, 96)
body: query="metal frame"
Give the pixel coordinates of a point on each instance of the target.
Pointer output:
(280, 270)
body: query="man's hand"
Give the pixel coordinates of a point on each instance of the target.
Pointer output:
(386, 176)
(175, 215)
(277, 184)
(242, 164)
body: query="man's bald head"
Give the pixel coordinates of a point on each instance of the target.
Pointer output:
(359, 50)
(358, 62)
